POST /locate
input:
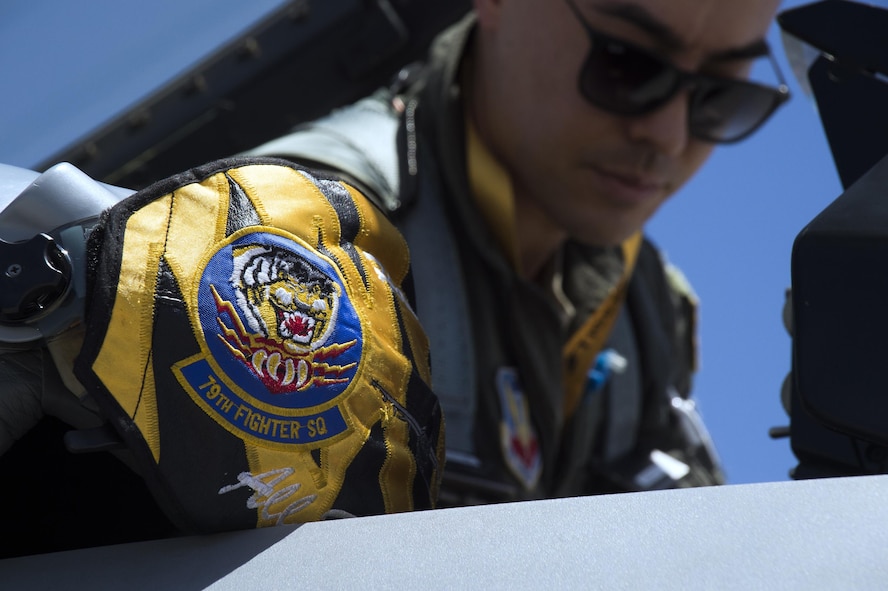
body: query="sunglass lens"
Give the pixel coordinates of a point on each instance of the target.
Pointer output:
(728, 111)
(623, 80)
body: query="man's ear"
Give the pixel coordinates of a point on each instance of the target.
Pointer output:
(488, 11)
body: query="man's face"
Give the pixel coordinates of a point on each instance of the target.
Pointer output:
(591, 174)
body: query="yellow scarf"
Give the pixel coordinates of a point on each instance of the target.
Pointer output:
(492, 191)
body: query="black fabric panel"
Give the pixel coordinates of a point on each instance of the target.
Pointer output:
(408, 288)
(104, 251)
(361, 494)
(190, 480)
(423, 407)
(424, 419)
(241, 212)
(349, 221)
(352, 255)
(349, 248)
(341, 200)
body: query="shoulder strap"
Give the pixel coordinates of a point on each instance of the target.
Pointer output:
(361, 141)
(443, 310)
(670, 416)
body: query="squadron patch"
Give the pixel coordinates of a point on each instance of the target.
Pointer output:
(282, 341)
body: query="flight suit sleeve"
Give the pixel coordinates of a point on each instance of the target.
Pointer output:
(250, 341)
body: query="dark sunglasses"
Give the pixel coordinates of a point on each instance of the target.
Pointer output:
(625, 79)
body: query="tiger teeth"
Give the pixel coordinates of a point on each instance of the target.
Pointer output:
(290, 373)
(305, 319)
(303, 372)
(272, 364)
(258, 360)
(269, 364)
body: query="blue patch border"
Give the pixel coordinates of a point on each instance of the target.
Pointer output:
(206, 385)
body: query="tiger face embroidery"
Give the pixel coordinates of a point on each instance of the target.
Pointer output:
(284, 297)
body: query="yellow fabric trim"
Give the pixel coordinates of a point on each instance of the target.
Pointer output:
(297, 498)
(146, 417)
(581, 349)
(492, 190)
(127, 346)
(399, 469)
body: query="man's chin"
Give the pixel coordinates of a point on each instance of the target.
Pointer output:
(604, 236)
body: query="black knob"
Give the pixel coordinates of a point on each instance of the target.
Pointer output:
(34, 276)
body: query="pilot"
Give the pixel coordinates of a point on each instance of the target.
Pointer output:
(522, 163)
(257, 340)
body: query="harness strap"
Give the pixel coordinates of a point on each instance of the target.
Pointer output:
(624, 391)
(444, 313)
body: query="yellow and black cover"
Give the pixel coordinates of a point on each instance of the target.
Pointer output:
(249, 340)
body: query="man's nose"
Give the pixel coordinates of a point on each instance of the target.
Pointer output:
(664, 129)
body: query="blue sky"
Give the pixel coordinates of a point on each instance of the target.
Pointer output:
(68, 66)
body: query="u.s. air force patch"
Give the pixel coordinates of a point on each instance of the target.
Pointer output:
(249, 339)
